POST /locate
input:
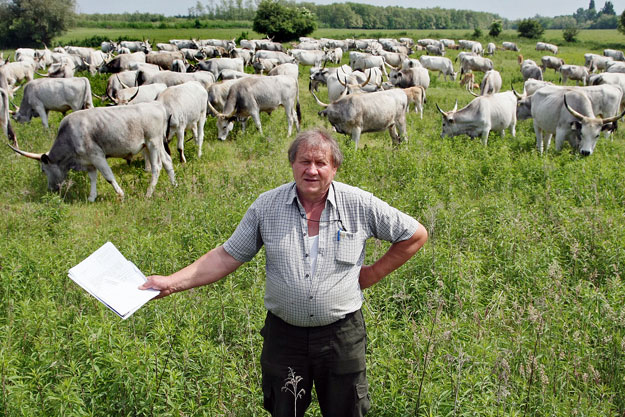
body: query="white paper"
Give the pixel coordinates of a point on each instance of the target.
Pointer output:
(108, 276)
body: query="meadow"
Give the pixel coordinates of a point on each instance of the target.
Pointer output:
(514, 307)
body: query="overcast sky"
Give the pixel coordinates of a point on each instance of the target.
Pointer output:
(511, 9)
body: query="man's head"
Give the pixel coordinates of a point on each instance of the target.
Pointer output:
(314, 156)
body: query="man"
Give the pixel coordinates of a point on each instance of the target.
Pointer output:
(314, 231)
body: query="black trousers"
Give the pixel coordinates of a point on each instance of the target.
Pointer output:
(332, 357)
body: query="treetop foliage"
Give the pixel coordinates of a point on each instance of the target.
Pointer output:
(34, 22)
(530, 28)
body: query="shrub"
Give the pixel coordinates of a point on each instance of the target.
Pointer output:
(570, 34)
(495, 28)
(477, 33)
(283, 23)
(530, 28)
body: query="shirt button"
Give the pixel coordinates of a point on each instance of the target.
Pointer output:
(307, 275)
(307, 255)
(312, 315)
(310, 298)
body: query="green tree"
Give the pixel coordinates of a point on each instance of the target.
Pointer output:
(34, 22)
(495, 28)
(283, 23)
(621, 22)
(530, 28)
(608, 8)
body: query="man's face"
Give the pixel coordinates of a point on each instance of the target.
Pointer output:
(313, 171)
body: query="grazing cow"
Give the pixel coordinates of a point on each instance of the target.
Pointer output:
(171, 78)
(57, 94)
(185, 43)
(475, 63)
(320, 76)
(360, 113)
(163, 59)
(87, 137)
(136, 95)
(216, 65)
(281, 57)
(485, 113)
(15, 72)
(477, 48)
(122, 62)
(574, 72)
(186, 106)
(166, 47)
(292, 70)
(245, 54)
(511, 46)
(491, 83)
(311, 58)
(410, 77)
(614, 54)
(265, 65)
(435, 49)
(63, 69)
(440, 64)
(615, 79)
(370, 61)
(416, 95)
(136, 46)
(568, 114)
(530, 86)
(596, 62)
(543, 46)
(249, 96)
(335, 55)
(491, 48)
(529, 69)
(552, 62)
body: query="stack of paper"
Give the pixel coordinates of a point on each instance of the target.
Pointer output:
(111, 278)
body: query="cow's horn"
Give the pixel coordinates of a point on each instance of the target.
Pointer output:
(41, 75)
(322, 104)
(613, 118)
(134, 95)
(214, 110)
(573, 112)
(440, 110)
(472, 93)
(120, 81)
(31, 155)
(518, 96)
(368, 78)
(114, 100)
(456, 106)
(344, 84)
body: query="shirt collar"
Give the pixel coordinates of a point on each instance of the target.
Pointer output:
(291, 195)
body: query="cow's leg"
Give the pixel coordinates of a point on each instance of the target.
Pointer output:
(289, 111)
(43, 115)
(180, 135)
(356, 135)
(146, 158)
(560, 136)
(256, 117)
(104, 168)
(485, 136)
(169, 166)
(513, 129)
(539, 138)
(394, 136)
(156, 162)
(93, 177)
(200, 137)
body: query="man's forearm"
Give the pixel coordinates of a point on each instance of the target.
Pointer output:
(395, 257)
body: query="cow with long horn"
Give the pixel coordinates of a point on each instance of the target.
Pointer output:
(87, 137)
(360, 113)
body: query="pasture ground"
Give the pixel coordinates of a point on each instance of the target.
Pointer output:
(514, 307)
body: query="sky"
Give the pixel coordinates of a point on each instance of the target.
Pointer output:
(511, 9)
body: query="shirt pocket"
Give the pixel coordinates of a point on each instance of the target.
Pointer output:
(348, 248)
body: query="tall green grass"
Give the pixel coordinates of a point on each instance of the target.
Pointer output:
(513, 308)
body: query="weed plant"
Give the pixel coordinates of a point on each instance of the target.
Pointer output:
(514, 307)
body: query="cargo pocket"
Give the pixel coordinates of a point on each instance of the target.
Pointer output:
(348, 248)
(363, 403)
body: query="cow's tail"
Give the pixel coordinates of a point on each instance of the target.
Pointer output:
(167, 130)
(87, 102)
(297, 107)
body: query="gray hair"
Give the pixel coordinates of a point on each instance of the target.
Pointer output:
(316, 137)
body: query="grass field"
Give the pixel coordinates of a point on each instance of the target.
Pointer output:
(513, 308)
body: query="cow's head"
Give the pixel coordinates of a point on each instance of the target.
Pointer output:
(225, 123)
(587, 129)
(56, 173)
(449, 124)
(523, 105)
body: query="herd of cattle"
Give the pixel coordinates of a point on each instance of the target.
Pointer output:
(156, 95)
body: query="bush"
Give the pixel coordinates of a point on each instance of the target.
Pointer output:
(283, 23)
(477, 33)
(495, 28)
(570, 34)
(530, 28)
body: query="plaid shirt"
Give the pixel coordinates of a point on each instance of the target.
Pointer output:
(277, 220)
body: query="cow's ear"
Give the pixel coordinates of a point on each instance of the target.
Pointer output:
(45, 159)
(610, 127)
(576, 125)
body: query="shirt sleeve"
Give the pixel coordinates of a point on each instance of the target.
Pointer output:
(246, 240)
(388, 223)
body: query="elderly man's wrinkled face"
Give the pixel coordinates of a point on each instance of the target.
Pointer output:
(313, 171)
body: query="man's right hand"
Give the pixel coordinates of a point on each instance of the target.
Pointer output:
(159, 283)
